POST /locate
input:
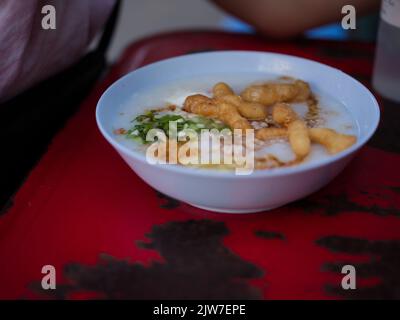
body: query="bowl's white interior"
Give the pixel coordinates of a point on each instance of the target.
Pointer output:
(358, 100)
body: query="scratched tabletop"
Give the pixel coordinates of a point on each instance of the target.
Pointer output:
(110, 235)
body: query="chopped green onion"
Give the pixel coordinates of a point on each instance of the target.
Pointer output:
(142, 124)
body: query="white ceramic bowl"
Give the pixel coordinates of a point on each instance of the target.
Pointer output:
(224, 191)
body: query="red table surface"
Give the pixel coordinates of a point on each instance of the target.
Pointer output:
(109, 235)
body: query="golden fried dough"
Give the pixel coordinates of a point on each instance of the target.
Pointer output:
(283, 114)
(230, 98)
(333, 141)
(270, 133)
(249, 110)
(299, 138)
(303, 91)
(274, 92)
(224, 111)
(222, 89)
(200, 104)
(269, 94)
(230, 115)
(252, 110)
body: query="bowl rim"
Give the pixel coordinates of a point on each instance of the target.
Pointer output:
(192, 171)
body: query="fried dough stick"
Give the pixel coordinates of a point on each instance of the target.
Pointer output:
(283, 114)
(303, 91)
(333, 141)
(249, 110)
(297, 130)
(271, 133)
(271, 93)
(299, 138)
(230, 115)
(202, 105)
(221, 89)
(221, 110)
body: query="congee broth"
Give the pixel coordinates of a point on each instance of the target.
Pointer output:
(292, 123)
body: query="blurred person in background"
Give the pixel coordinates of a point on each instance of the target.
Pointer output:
(289, 18)
(44, 74)
(29, 54)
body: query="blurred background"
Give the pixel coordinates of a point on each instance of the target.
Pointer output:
(140, 18)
